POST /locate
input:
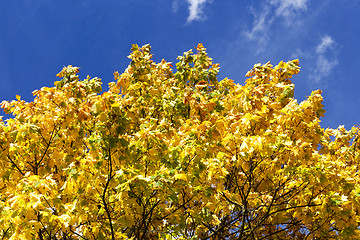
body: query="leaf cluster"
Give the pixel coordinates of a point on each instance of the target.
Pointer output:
(176, 155)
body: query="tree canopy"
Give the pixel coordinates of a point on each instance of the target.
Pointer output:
(176, 154)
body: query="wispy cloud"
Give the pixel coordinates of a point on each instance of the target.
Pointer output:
(324, 64)
(323, 61)
(326, 43)
(175, 5)
(261, 24)
(269, 12)
(288, 8)
(195, 9)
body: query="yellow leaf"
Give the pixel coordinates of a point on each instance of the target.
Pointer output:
(102, 117)
(180, 176)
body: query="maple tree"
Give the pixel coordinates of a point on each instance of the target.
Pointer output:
(176, 155)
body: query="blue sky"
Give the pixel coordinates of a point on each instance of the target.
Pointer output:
(39, 37)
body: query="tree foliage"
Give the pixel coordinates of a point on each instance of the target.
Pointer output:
(176, 155)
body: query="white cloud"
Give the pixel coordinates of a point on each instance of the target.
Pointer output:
(259, 31)
(264, 19)
(326, 43)
(324, 67)
(322, 59)
(196, 9)
(286, 8)
(175, 5)
(259, 25)
(324, 62)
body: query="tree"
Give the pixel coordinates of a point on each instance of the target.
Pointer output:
(176, 156)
